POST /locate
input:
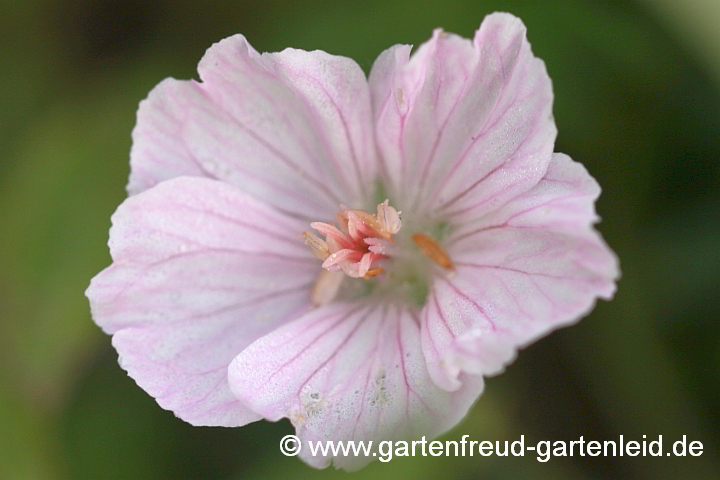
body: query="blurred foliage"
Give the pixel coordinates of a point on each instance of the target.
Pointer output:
(633, 104)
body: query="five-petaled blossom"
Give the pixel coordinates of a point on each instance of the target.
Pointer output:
(354, 254)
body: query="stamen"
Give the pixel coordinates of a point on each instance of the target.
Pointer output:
(318, 246)
(433, 250)
(356, 241)
(326, 287)
(372, 272)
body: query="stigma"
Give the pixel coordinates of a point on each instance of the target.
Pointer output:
(357, 240)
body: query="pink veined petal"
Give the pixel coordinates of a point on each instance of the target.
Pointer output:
(337, 92)
(563, 201)
(534, 265)
(199, 271)
(463, 126)
(348, 372)
(293, 129)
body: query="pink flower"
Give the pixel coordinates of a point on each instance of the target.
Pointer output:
(220, 310)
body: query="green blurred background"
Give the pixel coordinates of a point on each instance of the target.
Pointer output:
(637, 87)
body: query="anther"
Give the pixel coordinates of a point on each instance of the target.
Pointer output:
(433, 250)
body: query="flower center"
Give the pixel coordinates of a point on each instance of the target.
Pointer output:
(358, 241)
(360, 245)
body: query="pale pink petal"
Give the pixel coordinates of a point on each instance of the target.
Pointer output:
(390, 109)
(337, 93)
(533, 266)
(158, 152)
(292, 128)
(563, 201)
(463, 126)
(199, 271)
(348, 372)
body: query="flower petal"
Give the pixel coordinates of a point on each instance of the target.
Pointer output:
(464, 126)
(199, 272)
(533, 266)
(348, 372)
(292, 128)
